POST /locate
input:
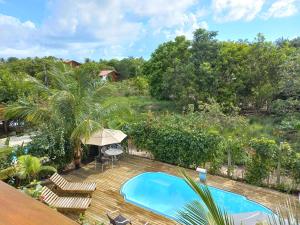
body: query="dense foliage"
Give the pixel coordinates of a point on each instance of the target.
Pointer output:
(262, 161)
(127, 68)
(172, 141)
(232, 104)
(209, 137)
(250, 75)
(189, 140)
(53, 143)
(71, 103)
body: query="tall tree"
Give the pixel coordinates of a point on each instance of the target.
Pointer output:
(74, 104)
(205, 50)
(165, 68)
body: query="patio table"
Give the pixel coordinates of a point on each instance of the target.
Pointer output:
(113, 152)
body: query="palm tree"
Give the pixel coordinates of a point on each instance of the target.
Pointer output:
(29, 167)
(73, 100)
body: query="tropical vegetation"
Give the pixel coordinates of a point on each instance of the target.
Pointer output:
(229, 106)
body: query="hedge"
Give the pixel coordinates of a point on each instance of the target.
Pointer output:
(176, 143)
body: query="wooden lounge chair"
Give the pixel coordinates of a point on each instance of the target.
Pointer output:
(63, 185)
(79, 204)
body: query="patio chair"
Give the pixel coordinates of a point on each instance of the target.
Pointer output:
(116, 146)
(103, 149)
(103, 160)
(117, 220)
(71, 187)
(79, 204)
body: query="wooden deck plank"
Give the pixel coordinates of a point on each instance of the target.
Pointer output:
(107, 195)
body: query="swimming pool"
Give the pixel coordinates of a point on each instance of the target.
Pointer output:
(166, 194)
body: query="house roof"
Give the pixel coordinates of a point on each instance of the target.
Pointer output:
(18, 208)
(104, 73)
(72, 62)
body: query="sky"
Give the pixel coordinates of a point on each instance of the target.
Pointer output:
(79, 29)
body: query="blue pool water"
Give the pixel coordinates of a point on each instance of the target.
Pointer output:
(166, 194)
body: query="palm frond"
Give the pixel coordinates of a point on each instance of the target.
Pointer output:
(27, 110)
(117, 113)
(62, 103)
(85, 129)
(59, 78)
(30, 83)
(28, 166)
(214, 214)
(5, 151)
(193, 214)
(285, 215)
(8, 172)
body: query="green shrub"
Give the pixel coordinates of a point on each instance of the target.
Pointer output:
(34, 189)
(141, 85)
(177, 143)
(51, 142)
(291, 123)
(263, 155)
(30, 167)
(281, 107)
(5, 153)
(8, 155)
(296, 168)
(132, 87)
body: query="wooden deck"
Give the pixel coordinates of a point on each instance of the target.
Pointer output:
(108, 197)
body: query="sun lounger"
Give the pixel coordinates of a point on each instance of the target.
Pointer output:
(64, 203)
(66, 186)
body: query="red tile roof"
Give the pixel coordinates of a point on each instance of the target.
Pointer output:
(104, 73)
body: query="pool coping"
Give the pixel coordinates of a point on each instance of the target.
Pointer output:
(174, 218)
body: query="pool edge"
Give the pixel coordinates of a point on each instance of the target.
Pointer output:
(174, 218)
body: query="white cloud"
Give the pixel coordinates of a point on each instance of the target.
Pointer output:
(190, 24)
(15, 33)
(169, 17)
(95, 20)
(32, 51)
(232, 10)
(76, 29)
(158, 7)
(161, 13)
(87, 28)
(282, 8)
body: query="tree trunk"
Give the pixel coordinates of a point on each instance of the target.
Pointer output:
(278, 172)
(5, 126)
(77, 155)
(279, 165)
(229, 163)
